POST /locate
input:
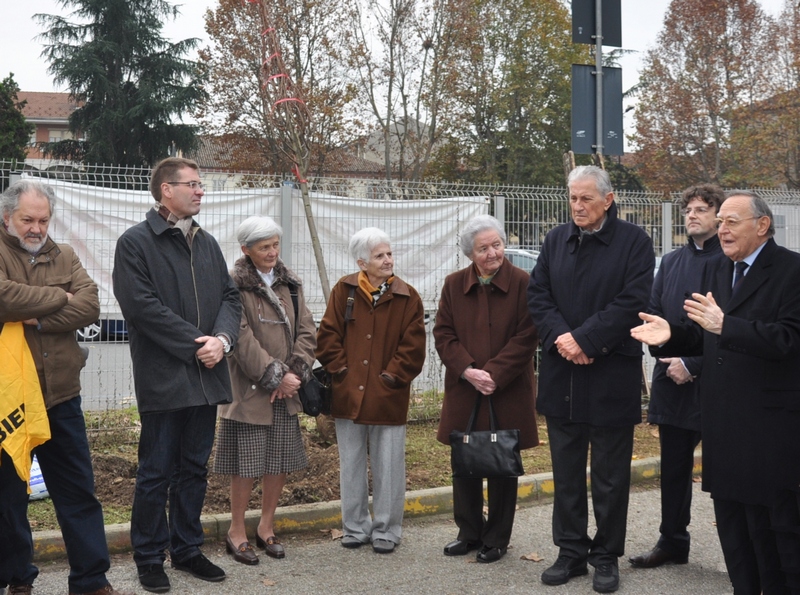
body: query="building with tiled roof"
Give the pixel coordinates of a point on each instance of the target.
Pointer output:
(50, 113)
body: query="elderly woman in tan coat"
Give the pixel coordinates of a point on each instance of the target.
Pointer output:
(486, 339)
(373, 352)
(259, 433)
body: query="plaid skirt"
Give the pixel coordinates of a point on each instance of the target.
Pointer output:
(250, 450)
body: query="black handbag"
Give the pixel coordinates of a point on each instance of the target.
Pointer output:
(316, 395)
(312, 396)
(312, 393)
(485, 454)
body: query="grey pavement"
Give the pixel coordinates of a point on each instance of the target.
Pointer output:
(317, 565)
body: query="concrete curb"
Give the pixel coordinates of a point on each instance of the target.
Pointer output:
(533, 489)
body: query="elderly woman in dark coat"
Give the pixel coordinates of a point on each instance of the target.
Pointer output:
(259, 433)
(373, 355)
(486, 339)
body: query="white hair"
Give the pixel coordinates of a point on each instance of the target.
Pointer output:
(364, 241)
(475, 226)
(9, 200)
(600, 177)
(257, 228)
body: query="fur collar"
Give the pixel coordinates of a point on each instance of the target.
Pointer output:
(246, 276)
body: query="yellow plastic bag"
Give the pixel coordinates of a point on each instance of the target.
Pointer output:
(23, 416)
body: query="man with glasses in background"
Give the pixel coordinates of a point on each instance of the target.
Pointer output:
(748, 330)
(674, 401)
(183, 312)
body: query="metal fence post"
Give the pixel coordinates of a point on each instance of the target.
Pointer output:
(666, 227)
(286, 222)
(500, 209)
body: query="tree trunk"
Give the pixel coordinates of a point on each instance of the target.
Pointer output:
(312, 231)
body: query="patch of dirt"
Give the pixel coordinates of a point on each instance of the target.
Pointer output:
(427, 465)
(115, 479)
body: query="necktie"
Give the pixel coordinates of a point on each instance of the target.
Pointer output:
(738, 273)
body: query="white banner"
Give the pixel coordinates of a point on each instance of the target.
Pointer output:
(424, 233)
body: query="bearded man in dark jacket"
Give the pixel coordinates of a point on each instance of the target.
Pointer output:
(675, 398)
(591, 276)
(183, 313)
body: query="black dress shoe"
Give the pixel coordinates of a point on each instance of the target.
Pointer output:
(656, 557)
(152, 578)
(461, 548)
(606, 578)
(564, 569)
(272, 547)
(490, 554)
(199, 567)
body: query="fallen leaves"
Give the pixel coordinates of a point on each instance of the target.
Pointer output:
(532, 557)
(334, 533)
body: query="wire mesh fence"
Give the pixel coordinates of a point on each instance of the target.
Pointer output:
(96, 204)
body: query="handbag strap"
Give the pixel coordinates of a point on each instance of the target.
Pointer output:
(293, 293)
(348, 313)
(474, 415)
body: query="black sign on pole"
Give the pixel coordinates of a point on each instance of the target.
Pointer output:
(583, 25)
(584, 117)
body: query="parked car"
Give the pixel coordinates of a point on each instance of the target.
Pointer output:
(524, 259)
(104, 330)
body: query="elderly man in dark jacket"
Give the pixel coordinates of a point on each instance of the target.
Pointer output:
(592, 276)
(183, 312)
(750, 394)
(675, 400)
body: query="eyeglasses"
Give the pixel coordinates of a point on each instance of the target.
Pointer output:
(695, 210)
(193, 185)
(730, 222)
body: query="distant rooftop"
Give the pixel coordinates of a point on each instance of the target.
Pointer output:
(46, 107)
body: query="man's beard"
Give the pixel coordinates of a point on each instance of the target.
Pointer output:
(28, 247)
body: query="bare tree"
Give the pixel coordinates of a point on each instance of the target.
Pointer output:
(312, 36)
(402, 55)
(288, 116)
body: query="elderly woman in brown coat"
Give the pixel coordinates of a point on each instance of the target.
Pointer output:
(373, 351)
(486, 339)
(259, 433)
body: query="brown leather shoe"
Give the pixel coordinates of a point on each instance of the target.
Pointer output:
(656, 557)
(107, 590)
(20, 589)
(272, 547)
(244, 553)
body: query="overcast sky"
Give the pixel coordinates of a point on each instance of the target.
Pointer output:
(19, 50)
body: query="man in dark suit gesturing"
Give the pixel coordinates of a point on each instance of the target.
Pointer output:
(750, 395)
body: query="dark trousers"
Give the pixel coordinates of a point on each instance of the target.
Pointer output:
(749, 547)
(495, 529)
(610, 475)
(174, 447)
(677, 464)
(785, 517)
(67, 471)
